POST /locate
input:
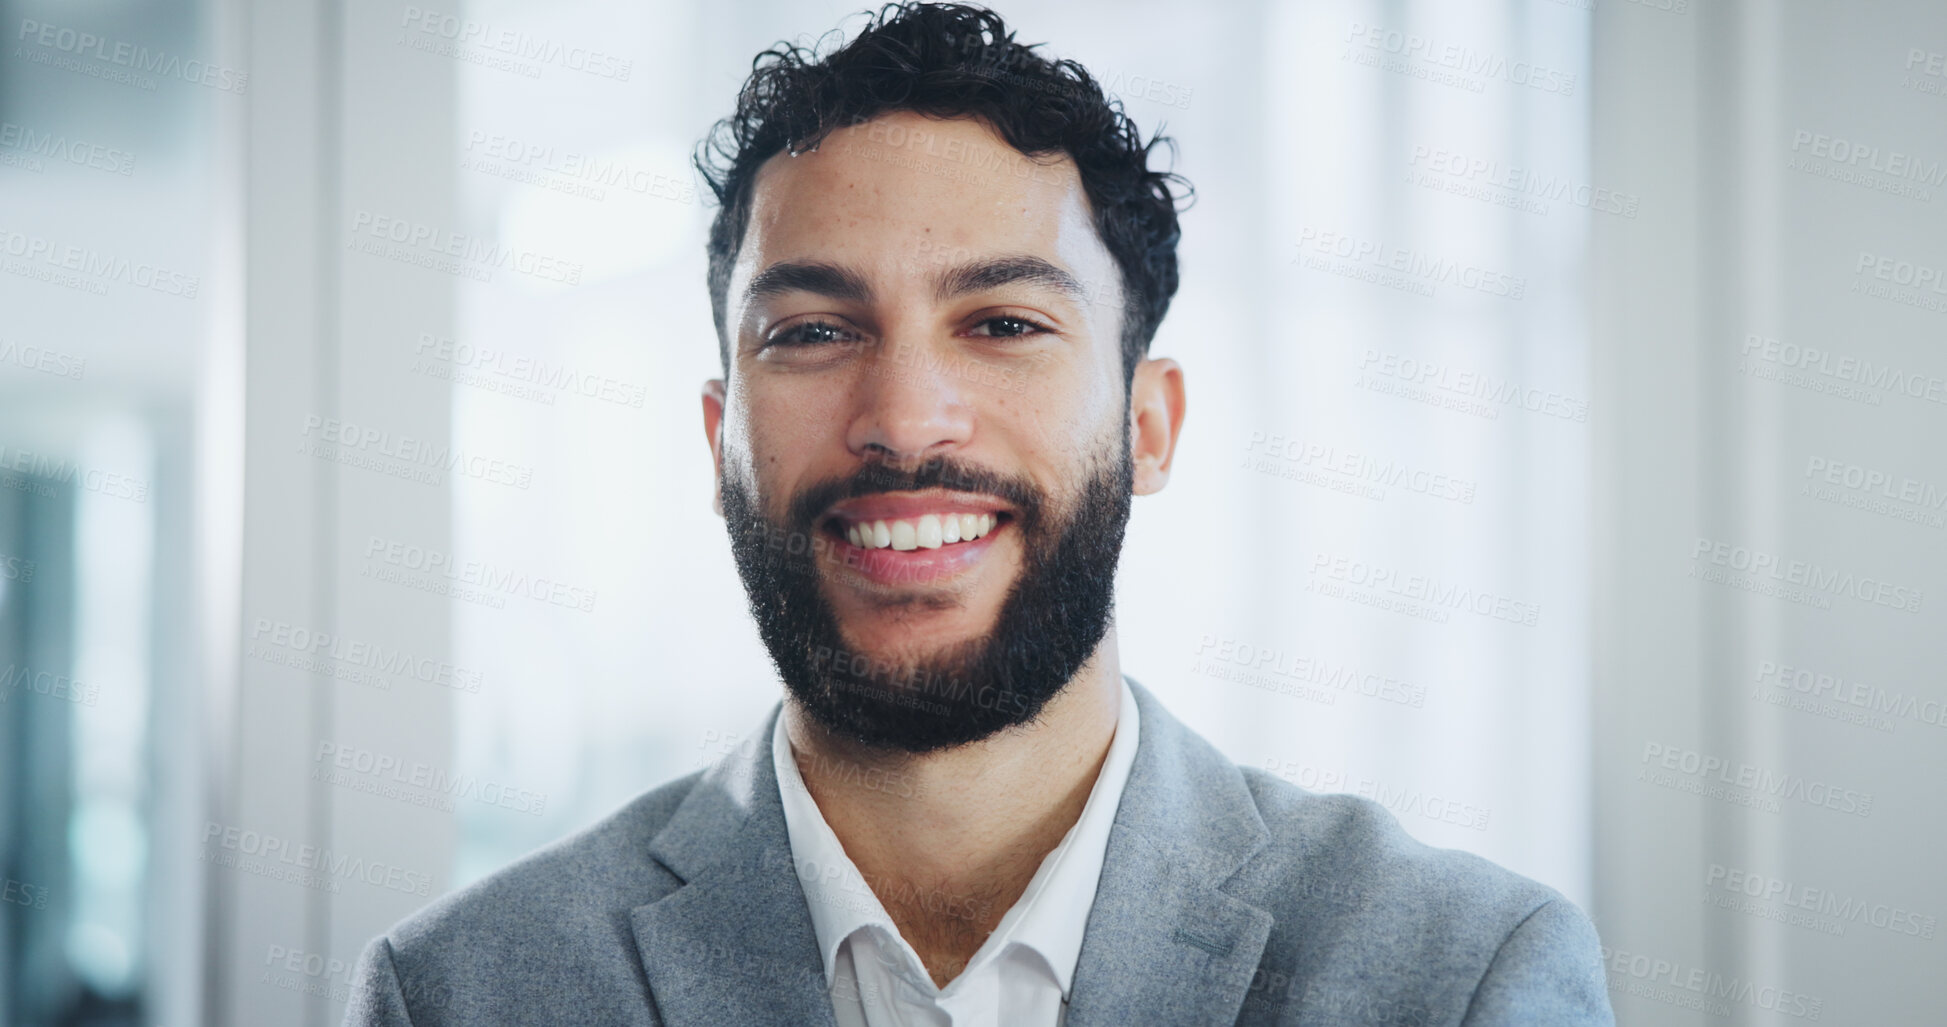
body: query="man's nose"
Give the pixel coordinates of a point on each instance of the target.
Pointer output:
(909, 405)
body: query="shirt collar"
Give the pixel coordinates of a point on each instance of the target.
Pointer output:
(1049, 918)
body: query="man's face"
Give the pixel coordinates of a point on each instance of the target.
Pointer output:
(923, 346)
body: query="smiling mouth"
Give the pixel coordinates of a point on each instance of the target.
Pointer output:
(928, 526)
(926, 531)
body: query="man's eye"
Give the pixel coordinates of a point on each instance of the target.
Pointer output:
(1006, 327)
(812, 333)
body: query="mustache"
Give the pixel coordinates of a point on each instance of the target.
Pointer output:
(879, 476)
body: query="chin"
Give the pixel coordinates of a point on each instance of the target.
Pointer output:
(906, 641)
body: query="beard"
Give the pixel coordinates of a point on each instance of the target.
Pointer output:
(1053, 617)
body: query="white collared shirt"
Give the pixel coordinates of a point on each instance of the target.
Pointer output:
(1021, 974)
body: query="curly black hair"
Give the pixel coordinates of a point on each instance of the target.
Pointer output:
(947, 61)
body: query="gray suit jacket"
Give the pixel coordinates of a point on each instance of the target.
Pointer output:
(1227, 896)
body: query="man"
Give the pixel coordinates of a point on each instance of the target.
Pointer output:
(935, 274)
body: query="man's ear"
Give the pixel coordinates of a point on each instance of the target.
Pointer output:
(1155, 417)
(713, 401)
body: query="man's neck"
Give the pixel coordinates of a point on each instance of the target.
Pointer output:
(948, 840)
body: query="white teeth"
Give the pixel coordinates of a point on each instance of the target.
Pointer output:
(929, 531)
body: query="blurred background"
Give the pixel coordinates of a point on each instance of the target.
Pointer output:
(1563, 466)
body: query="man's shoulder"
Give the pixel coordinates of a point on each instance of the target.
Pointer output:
(1333, 861)
(1351, 852)
(568, 902)
(1373, 925)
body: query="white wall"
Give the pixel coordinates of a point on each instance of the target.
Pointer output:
(1716, 426)
(344, 130)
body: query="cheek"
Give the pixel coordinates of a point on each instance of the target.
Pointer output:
(1060, 412)
(781, 430)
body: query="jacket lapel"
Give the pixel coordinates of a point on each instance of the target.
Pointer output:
(1164, 943)
(734, 944)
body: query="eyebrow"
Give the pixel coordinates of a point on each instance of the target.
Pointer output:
(823, 279)
(843, 283)
(998, 271)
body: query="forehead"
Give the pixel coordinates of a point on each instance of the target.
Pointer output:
(903, 193)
